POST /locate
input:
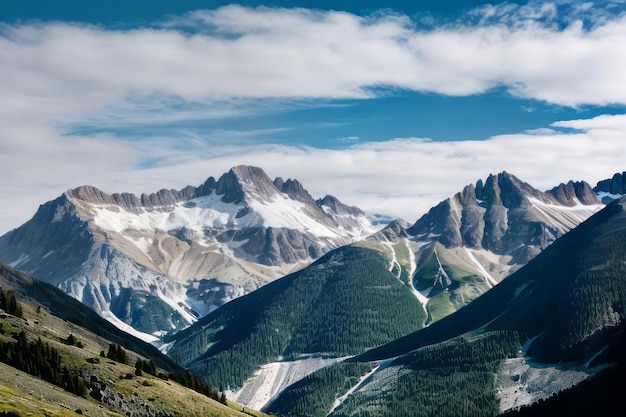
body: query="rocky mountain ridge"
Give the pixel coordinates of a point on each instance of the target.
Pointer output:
(444, 261)
(178, 254)
(471, 241)
(448, 258)
(554, 323)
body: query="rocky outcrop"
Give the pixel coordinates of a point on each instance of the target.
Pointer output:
(129, 201)
(338, 207)
(502, 214)
(294, 189)
(615, 186)
(119, 253)
(394, 231)
(574, 193)
(53, 244)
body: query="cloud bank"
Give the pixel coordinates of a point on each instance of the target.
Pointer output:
(402, 177)
(237, 52)
(213, 63)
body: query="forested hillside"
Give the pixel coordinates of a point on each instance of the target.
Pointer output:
(348, 301)
(569, 299)
(454, 378)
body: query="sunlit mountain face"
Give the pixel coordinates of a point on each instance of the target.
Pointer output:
(382, 194)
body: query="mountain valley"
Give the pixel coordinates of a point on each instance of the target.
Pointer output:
(502, 293)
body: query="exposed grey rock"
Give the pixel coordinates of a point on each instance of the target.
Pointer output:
(616, 186)
(119, 264)
(395, 230)
(338, 207)
(230, 188)
(498, 215)
(294, 189)
(573, 192)
(441, 221)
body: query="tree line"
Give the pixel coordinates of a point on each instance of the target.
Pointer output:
(9, 303)
(43, 361)
(342, 305)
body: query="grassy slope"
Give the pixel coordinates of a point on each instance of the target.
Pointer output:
(465, 287)
(67, 308)
(25, 394)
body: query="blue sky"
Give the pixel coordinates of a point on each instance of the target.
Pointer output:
(391, 106)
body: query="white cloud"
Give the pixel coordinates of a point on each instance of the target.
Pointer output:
(348, 139)
(58, 75)
(60, 69)
(402, 177)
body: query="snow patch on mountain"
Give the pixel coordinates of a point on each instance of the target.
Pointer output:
(179, 304)
(420, 297)
(393, 262)
(565, 218)
(441, 273)
(284, 212)
(127, 328)
(196, 214)
(488, 278)
(16, 263)
(608, 197)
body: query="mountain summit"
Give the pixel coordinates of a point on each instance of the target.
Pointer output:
(471, 241)
(156, 262)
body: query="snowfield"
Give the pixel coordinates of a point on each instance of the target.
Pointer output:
(565, 218)
(491, 281)
(210, 212)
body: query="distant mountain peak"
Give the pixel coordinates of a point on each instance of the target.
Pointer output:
(506, 216)
(612, 188)
(198, 246)
(294, 189)
(338, 207)
(507, 190)
(574, 193)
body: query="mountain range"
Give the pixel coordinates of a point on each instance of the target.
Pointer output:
(502, 294)
(553, 323)
(425, 271)
(155, 263)
(472, 240)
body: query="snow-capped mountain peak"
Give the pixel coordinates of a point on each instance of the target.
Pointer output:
(181, 252)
